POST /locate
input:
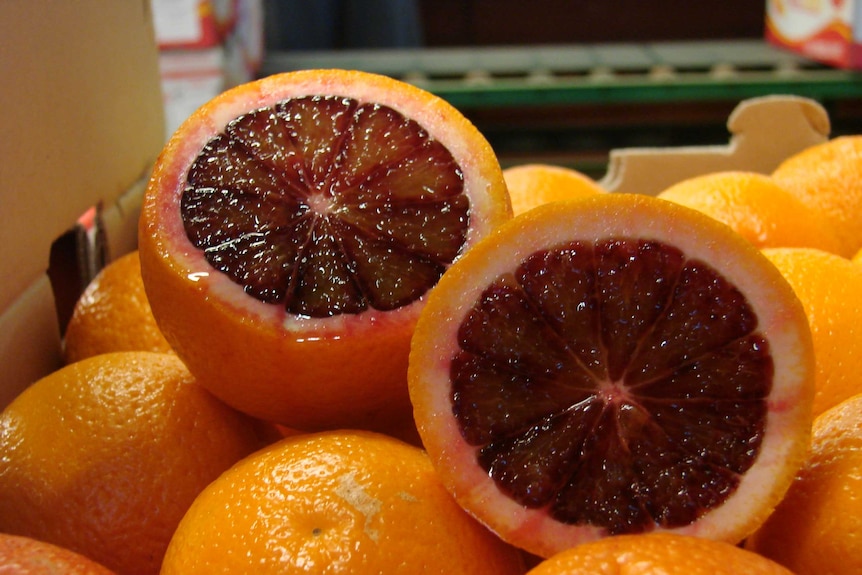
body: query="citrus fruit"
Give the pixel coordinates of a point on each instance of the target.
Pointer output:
(292, 228)
(817, 528)
(334, 502)
(531, 185)
(27, 556)
(858, 257)
(829, 288)
(756, 207)
(113, 314)
(105, 455)
(613, 365)
(827, 177)
(657, 553)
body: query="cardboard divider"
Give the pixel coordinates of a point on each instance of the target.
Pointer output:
(763, 132)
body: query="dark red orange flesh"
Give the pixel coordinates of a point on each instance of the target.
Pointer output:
(616, 384)
(327, 206)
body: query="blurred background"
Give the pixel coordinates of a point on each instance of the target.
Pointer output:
(557, 81)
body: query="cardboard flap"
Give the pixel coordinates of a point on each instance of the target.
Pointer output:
(764, 131)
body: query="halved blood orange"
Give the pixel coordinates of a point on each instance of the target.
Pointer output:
(611, 365)
(291, 230)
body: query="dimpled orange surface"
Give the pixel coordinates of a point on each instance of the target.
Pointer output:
(658, 554)
(828, 179)
(105, 455)
(334, 502)
(113, 314)
(756, 207)
(818, 527)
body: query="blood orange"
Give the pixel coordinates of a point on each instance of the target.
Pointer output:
(291, 230)
(612, 365)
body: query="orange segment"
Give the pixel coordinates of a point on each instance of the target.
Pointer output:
(334, 502)
(664, 553)
(613, 365)
(291, 230)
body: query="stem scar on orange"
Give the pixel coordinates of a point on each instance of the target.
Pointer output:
(290, 232)
(616, 364)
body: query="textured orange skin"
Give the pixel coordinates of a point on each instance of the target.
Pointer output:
(782, 322)
(817, 528)
(113, 314)
(756, 207)
(346, 371)
(334, 502)
(828, 178)
(532, 185)
(104, 456)
(26, 556)
(664, 553)
(829, 288)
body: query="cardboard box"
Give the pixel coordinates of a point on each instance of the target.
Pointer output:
(83, 123)
(828, 31)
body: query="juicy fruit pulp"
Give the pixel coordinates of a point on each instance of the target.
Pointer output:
(291, 230)
(617, 379)
(327, 206)
(612, 365)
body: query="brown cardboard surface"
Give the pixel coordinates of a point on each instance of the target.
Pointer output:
(763, 132)
(82, 117)
(82, 120)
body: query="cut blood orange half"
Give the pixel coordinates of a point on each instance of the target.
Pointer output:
(612, 365)
(291, 230)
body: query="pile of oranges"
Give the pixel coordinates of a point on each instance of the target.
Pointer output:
(126, 461)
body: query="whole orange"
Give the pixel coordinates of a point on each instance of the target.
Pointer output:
(657, 554)
(113, 314)
(827, 178)
(829, 287)
(817, 528)
(334, 502)
(105, 455)
(532, 185)
(756, 207)
(27, 556)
